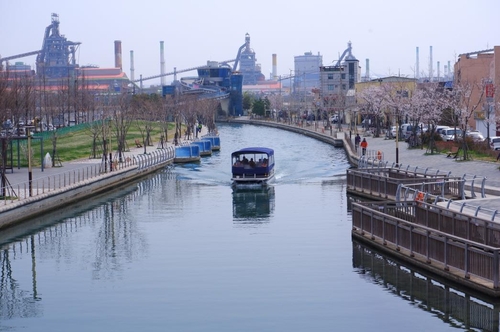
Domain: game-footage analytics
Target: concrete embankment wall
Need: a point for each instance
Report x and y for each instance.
(31, 207)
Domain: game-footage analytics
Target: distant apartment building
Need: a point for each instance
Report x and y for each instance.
(307, 71)
(482, 68)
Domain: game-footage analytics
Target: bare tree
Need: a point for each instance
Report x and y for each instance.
(146, 107)
(464, 100)
(208, 109)
(5, 104)
(122, 117)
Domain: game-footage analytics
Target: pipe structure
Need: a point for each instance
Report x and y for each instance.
(132, 69)
(275, 68)
(430, 64)
(118, 54)
(417, 69)
(367, 78)
(162, 63)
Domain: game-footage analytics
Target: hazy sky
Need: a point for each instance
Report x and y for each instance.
(386, 32)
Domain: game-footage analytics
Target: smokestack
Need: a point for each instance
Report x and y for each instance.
(275, 67)
(162, 63)
(417, 69)
(430, 64)
(132, 69)
(449, 70)
(367, 69)
(438, 71)
(118, 54)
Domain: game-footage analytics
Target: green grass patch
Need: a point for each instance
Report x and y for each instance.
(77, 144)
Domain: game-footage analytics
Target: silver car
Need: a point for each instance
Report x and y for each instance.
(449, 134)
(476, 136)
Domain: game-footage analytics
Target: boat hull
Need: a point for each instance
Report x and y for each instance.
(253, 178)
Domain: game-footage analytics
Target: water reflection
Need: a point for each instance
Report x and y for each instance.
(253, 204)
(54, 237)
(430, 293)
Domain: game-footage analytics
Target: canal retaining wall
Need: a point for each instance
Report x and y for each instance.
(30, 207)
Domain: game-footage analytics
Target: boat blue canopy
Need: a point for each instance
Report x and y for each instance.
(267, 151)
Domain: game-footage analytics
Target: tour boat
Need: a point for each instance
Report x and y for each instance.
(254, 165)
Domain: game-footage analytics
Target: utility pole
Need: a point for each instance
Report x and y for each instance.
(290, 96)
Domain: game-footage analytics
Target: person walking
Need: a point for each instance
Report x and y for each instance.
(364, 145)
(357, 140)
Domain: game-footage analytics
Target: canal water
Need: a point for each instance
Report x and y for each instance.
(183, 251)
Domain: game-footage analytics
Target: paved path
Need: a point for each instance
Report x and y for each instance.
(18, 177)
(419, 158)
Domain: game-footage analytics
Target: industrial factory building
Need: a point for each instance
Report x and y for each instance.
(339, 80)
(56, 65)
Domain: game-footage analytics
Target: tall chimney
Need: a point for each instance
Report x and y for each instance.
(367, 78)
(417, 69)
(162, 63)
(275, 68)
(118, 54)
(449, 71)
(438, 71)
(430, 64)
(132, 69)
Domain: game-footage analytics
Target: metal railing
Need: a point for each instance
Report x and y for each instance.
(154, 158)
(18, 192)
(466, 245)
(383, 182)
(438, 190)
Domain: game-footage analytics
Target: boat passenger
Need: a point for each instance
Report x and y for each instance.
(245, 160)
(251, 163)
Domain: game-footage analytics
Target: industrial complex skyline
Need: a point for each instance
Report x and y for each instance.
(387, 33)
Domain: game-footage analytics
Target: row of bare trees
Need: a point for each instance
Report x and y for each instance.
(428, 104)
(30, 103)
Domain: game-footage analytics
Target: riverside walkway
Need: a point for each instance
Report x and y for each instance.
(408, 158)
(54, 187)
(86, 167)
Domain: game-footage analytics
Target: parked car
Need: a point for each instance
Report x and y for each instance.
(407, 129)
(495, 142)
(391, 133)
(439, 129)
(450, 134)
(476, 136)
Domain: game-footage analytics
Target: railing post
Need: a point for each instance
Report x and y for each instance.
(446, 268)
(495, 268)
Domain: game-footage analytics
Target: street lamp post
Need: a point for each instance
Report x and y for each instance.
(30, 173)
(397, 140)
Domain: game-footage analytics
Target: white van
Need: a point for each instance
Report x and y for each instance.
(407, 129)
(441, 128)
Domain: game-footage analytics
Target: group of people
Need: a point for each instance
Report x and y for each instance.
(362, 143)
(251, 163)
